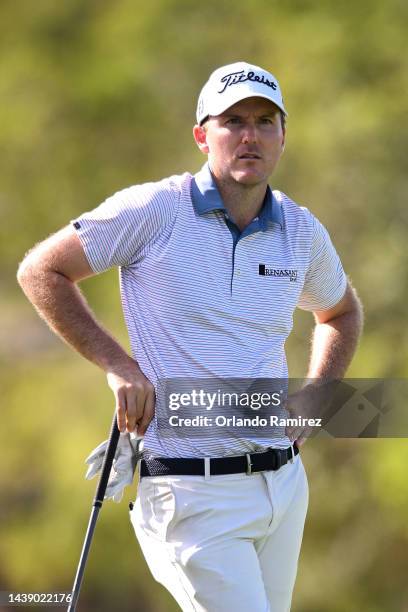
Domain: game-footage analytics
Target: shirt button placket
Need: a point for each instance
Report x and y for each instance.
(237, 269)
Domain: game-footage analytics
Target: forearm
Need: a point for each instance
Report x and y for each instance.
(334, 344)
(61, 304)
(48, 276)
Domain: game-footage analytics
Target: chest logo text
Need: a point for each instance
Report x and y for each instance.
(278, 272)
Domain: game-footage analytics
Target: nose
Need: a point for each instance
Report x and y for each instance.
(249, 133)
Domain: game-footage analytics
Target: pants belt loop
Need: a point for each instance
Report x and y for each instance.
(249, 464)
(207, 468)
(292, 451)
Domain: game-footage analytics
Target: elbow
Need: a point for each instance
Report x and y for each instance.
(358, 309)
(25, 273)
(354, 313)
(29, 271)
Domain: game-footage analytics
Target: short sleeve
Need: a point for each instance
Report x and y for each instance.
(121, 230)
(325, 280)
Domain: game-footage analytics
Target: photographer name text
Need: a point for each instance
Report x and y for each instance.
(234, 421)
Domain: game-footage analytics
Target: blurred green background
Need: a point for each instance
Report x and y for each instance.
(97, 95)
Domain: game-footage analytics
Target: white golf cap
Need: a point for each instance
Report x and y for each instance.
(230, 84)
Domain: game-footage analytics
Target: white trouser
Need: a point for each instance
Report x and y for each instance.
(227, 543)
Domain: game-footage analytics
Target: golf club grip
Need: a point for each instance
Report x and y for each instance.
(107, 462)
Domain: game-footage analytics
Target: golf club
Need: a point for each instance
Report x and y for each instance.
(96, 506)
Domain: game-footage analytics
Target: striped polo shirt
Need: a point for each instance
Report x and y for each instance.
(204, 301)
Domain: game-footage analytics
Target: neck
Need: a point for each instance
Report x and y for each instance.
(243, 202)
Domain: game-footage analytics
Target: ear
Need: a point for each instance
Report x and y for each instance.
(283, 139)
(200, 136)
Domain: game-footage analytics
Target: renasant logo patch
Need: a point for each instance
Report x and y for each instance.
(278, 272)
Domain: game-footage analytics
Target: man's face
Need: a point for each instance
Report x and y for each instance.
(244, 143)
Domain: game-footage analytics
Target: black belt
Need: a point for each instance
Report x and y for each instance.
(272, 459)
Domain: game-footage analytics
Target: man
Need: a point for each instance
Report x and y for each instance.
(212, 268)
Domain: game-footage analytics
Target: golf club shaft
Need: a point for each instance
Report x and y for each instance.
(84, 556)
(97, 504)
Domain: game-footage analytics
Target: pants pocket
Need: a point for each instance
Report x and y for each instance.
(155, 507)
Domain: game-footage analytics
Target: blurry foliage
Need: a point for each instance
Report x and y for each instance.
(97, 95)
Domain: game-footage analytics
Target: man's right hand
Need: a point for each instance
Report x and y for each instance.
(134, 397)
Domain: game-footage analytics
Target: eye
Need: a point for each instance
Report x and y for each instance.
(267, 120)
(235, 120)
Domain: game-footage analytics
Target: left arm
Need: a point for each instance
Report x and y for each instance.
(334, 342)
(335, 337)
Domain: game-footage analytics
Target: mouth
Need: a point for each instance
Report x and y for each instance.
(249, 156)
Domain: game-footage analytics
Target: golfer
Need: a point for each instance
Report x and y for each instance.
(212, 267)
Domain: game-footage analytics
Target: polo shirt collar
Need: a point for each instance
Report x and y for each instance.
(206, 198)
